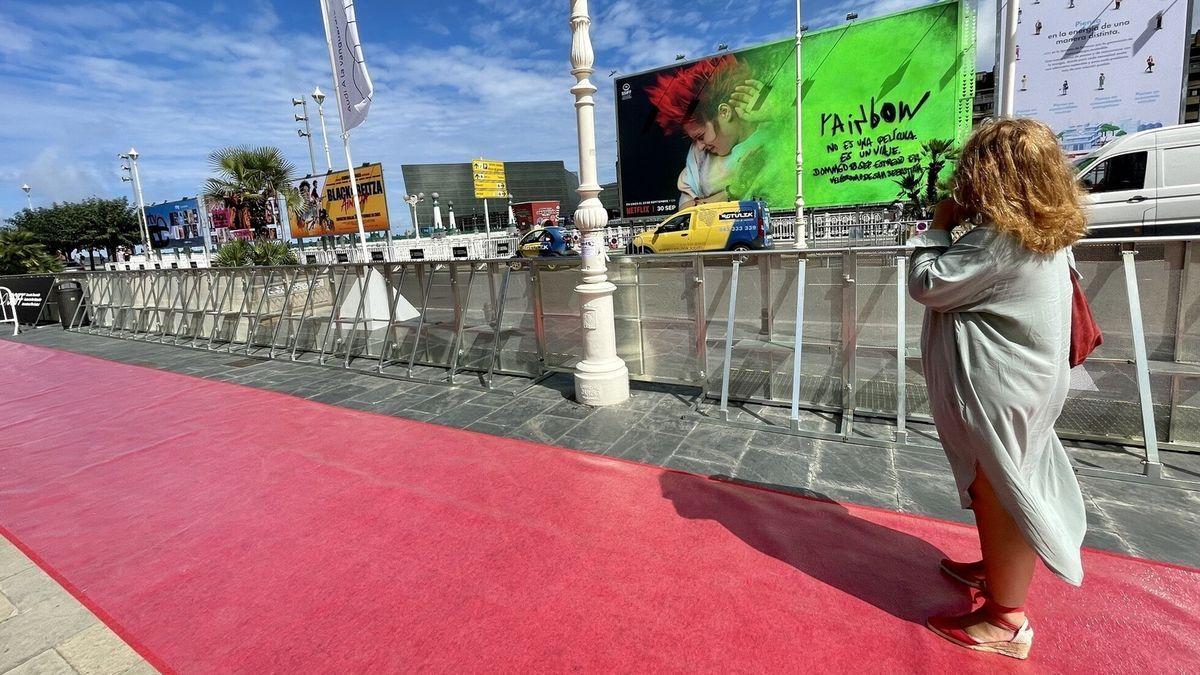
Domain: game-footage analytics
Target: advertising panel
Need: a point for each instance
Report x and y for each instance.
(327, 203)
(30, 292)
(175, 224)
(1095, 70)
(489, 180)
(724, 128)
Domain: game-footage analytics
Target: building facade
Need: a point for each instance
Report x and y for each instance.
(1191, 96)
(985, 97)
(527, 181)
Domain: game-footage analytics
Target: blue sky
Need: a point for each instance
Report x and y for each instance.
(456, 79)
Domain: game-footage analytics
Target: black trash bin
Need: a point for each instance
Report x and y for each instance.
(70, 297)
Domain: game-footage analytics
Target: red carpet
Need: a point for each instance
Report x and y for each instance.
(219, 528)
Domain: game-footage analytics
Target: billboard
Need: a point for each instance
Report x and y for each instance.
(327, 204)
(175, 224)
(1098, 69)
(724, 128)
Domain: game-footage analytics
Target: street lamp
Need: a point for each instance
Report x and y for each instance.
(801, 239)
(319, 97)
(28, 200)
(680, 57)
(136, 179)
(721, 46)
(850, 16)
(601, 377)
(307, 132)
(437, 216)
(412, 201)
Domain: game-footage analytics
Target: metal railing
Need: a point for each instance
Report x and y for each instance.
(723, 323)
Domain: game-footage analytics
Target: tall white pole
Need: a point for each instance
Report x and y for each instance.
(601, 378)
(1008, 93)
(801, 238)
(324, 134)
(137, 191)
(337, 94)
(206, 229)
(312, 158)
(487, 219)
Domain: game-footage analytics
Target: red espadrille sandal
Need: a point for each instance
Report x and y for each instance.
(968, 574)
(953, 628)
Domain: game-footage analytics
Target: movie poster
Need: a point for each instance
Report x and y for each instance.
(175, 224)
(326, 203)
(724, 128)
(1096, 70)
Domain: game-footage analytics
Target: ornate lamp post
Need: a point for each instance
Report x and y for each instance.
(801, 241)
(412, 201)
(601, 378)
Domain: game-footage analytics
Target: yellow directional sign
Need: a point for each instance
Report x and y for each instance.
(488, 177)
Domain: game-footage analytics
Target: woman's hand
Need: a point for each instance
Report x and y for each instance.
(946, 215)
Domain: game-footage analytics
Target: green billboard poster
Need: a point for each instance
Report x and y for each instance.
(724, 128)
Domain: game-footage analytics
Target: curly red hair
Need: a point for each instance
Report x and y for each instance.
(694, 93)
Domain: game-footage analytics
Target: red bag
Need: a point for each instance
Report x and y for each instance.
(1085, 333)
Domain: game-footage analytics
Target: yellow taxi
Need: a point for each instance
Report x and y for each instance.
(719, 226)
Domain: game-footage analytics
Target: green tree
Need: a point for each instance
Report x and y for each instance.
(938, 153)
(21, 253)
(247, 180)
(91, 223)
(264, 252)
(911, 184)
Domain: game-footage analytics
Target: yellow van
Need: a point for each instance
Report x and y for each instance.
(719, 226)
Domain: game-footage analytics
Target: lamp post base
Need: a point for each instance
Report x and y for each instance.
(601, 378)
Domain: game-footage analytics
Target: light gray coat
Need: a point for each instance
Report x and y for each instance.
(995, 351)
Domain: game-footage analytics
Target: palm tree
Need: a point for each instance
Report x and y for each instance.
(20, 253)
(247, 181)
(938, 153)
(910, 184)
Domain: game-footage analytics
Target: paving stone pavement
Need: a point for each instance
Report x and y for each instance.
(656, 426)
(44, 630)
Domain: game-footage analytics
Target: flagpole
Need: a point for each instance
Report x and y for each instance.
(337, 91)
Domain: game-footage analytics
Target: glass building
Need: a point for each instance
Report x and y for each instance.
(527, 181)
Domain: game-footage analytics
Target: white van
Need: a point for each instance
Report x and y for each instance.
(1145, 184)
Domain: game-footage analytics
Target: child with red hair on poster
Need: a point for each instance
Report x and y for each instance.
(715, 103)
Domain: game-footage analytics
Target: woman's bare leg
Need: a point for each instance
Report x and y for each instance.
(1008, 560)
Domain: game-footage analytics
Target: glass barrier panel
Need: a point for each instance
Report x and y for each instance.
(519, 354)
(665, 329)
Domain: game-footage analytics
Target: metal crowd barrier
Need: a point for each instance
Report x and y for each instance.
(724, 324)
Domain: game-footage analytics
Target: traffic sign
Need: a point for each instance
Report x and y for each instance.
(489, 179)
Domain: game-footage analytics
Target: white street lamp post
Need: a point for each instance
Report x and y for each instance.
(601, 378)
(801, 238)
(307, 133)
(136, 179)
(28, 200)
(319, 97)
(437, 216)
(413, 200)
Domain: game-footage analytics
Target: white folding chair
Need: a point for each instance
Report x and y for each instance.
(8, 309)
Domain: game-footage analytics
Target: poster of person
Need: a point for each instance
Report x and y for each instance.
(1098, 70)
(175, 224)
(326, 203)
(724, 127)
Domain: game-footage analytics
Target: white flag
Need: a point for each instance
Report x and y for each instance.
(350, 78)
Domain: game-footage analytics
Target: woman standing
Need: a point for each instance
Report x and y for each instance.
(995, 349)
